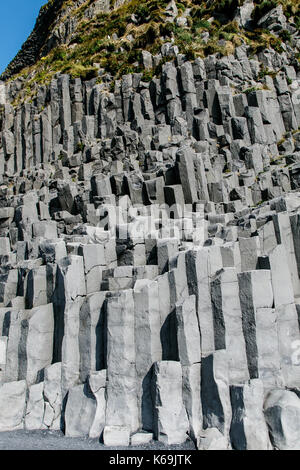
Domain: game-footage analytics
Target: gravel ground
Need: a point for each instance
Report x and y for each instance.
(55, 440)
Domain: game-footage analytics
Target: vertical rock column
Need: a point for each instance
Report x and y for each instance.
(197, 265)
(170, 419)
(255, 291)
(248, 427)
(52, 396)
(189, 351)
(284, 235)
(228, 329)
(38, 347)
(185, 161)
(77, 100)
(122, 402)
(8, 141)
(17, 131)
(215, 395)
(67, 301)
(55, 117)
(64, 102)
(287, 316)
(3, 347)
(29, 343)
(27, 143)
(92, 334)
(171, 91)
(147, 345)
(46, 131)
(189, 92)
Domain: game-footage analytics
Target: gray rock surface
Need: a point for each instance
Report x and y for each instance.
(13, 401)
(282, 415)
(80, 411)
(149, 248)
(170, 418)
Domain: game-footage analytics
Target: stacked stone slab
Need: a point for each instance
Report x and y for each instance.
(150, 256)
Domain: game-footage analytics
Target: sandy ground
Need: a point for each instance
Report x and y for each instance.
(54, 440)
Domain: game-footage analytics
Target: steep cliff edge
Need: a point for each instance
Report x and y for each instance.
(149, 232)
(56, 21)
(84, 38)
(35, 44)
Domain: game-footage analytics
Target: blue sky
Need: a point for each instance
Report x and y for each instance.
(17, 19)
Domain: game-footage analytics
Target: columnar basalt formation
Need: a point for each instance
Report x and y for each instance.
(150, 255)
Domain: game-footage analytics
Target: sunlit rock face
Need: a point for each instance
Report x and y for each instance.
(150, 247)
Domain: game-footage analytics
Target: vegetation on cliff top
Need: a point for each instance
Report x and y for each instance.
(114, 41)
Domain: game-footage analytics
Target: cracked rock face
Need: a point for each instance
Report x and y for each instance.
(150, 254)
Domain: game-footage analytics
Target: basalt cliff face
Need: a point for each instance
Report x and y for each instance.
(150, 225)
